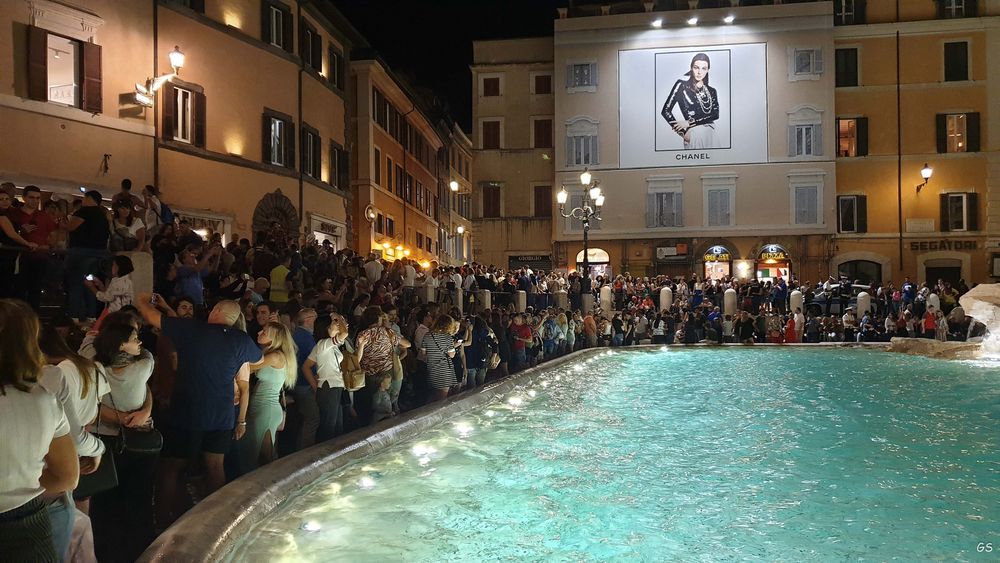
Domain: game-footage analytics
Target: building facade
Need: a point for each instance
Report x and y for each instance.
(513, 107)
(249, 131)
(456, 200)
(827, 113)
(916, 86)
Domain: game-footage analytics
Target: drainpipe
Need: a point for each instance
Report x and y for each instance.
(302, 69)
(156, 122)
(899, 156)
(414, 185)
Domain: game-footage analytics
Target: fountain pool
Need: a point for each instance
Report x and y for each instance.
(780, 453)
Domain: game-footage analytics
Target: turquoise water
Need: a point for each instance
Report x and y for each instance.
(786, 454)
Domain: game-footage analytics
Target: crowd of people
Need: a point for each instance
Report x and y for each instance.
(115, 411)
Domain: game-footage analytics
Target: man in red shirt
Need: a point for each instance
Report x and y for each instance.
(521, 333)
(35, 226)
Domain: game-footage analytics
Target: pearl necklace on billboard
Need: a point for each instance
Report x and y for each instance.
(704, 99)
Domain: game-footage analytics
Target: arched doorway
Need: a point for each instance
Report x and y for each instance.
(598, 260)
(772, 263)
(718, 262)
(276, 216)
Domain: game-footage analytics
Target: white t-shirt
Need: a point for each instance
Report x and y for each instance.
(128, 389)
(373, 271)
(327, 357)
(65, 382)
(409, 276)
(30, 422)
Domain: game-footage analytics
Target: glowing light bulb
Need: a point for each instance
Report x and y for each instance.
(366, 483)
(577, 368)
(491, 413)
(463, 429)
(532, 393)
(311, 526)
(515, 401)
(663, 348)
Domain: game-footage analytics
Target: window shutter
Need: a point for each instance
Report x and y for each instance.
(287, 31)
(198, 6)
(92, 96)
(860, 16)
(971, 8)
(818, 62)
(972, 211)
(595, 157)
(943, 198)
(593, 74)
(861, 130)
(199, 119)
(972, 132)
(38, 63)
(343, 160)
(304, 45)
(169, 112)
(265, 22)
(940, 8)
(289, 140)
(861, 208)
(941, 124)
(791, 140)
(317, 51)
(840, 214)
(570, 157)
(569, 76)
(678, 209)
(817, 135)
(265, 139)
(651, 204)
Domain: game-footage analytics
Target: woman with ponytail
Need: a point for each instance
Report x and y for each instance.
(264, 415)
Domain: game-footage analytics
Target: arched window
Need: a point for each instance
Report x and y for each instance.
(594, 256)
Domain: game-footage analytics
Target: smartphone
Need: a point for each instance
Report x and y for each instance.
(89, 277)
(152, 300)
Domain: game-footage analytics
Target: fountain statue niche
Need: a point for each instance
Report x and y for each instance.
(982, 303)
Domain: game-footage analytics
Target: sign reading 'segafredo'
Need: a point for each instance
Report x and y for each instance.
(943, 244)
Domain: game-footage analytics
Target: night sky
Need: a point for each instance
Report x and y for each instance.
(429, 42)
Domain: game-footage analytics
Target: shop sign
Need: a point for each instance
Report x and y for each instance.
(717, 254)
(324, 227)
(530, 258)
(773, 252)
(943, 244)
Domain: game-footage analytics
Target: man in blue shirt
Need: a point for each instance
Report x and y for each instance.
(201, 419)
(305, 395)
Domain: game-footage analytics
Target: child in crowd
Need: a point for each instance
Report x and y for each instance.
(118, 292)
(381, 403)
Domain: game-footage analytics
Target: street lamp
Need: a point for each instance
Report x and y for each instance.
(460, 229)
(145, 93)
(453, 185)
(176, 59)
(590, 208)
(926, 172)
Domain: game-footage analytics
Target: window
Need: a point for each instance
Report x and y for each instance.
(377, 163)
(663, 209)
(806, 205)
(340, 174)
(805, 132)
(719, 209)
(278, 136)
(311, 151)
(390, 227)
(957, 132)
(337, 69)
(388, 174)
(408, 189)
(956, 8)
(960, 212)
(379, 223)
(310, 46)
(182, 115)
(420, 196)
(852, 214)
(582, 142)
(541, 134)
(847, 67)
(581, 77)
(848, 12)
(807, 61)
(542, 84)
(491, 199)
(956, 61)
(852, 137)
(420, 239)
(276, 24)
(399, 181)
(491, 134)
(64, 71)
(491, 86)
(543, 201)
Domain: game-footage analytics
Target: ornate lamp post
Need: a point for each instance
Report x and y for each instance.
(590, 208)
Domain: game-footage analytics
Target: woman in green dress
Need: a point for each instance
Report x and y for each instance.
(264, 415)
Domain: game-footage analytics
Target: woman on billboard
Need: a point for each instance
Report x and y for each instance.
(698, 103)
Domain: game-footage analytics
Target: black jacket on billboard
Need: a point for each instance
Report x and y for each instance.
(698, 108)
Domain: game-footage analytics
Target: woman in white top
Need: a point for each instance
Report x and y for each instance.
(322, 371)
(38, 462)
(127, 367)
(128, 232)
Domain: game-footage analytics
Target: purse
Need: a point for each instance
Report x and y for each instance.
(106, 476)
(354, 376)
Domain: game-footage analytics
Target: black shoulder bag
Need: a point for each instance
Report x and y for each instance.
(106, 476)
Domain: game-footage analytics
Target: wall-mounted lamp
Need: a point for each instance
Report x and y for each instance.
(460, 229)
(370, 213)
(453, 185)
(926, 172)
(176, 59)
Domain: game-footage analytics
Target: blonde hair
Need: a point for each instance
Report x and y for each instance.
(445, 325)
(21, 359)
(282, 343)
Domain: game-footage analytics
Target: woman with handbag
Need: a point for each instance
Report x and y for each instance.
(74, 381)
(439, 349)
(375, 344)
(322, 371)
(479, 355)
(38, 462)
(265, 413)
(126, 427)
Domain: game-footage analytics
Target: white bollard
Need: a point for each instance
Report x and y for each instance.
(520, 301)
(729, 302)
(460, 299)
(934, 301)
(864, 304)
(586, 303)
(666, 298)
(562, 299)
(427, 294)
(485, 297)
(142, 274)
(795, 301)
(607, 303)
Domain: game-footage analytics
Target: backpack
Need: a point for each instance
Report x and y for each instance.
(166, 214)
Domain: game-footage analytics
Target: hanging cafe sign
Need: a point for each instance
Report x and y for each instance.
(773, 252)
(717, 254)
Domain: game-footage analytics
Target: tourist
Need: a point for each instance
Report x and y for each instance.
(36, 225)
(128, 405)
(201, 419)
(89, 231)
(744, 328)
(192, 272)
(279, 281)
(118, 292)
(304, 391)
(125, 196)
(128, 233)
(438, 347)
(521, 339)
(375, 343)
(322, 371)
(265, 413)
(38, 461)
(9, 240)
(157, 213)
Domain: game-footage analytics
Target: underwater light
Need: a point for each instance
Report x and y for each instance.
(311, 526)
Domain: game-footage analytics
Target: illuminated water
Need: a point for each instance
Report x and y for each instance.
(784, 454)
